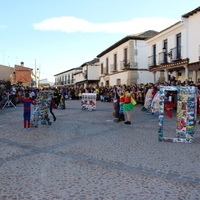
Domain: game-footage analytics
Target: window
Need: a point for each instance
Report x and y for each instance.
(107, 65)
(118, 82)
(178, 45)
(101, 68)
(165, 42)
(154, 54)
(125, 56)
(115, 62)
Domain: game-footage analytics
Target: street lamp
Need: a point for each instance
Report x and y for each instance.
(167, 53)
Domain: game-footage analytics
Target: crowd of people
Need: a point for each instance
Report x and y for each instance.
(105, 94)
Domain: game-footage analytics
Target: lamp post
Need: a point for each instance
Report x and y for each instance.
(167, 53)
(38, 72)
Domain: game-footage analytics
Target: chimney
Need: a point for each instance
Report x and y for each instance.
(22, 63)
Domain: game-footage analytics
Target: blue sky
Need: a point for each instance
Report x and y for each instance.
(57, 35)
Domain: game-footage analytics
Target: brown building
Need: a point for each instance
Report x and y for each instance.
(22, 75)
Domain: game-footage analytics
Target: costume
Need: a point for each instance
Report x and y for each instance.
(121, 112)
(127, 106)
(27, 110)
(56, 98)
(168, 106)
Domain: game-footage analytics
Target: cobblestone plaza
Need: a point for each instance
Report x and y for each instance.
(85, 155)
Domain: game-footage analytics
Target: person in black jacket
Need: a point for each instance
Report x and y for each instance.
(56, 98)
(51, 107)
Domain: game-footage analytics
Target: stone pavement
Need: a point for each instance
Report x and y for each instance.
(85, 155)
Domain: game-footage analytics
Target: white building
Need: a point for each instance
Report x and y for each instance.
(125, 62)
(89, 74)
(192, 23)
(66, 78)
(175, 51)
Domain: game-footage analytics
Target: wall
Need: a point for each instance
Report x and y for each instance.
(5, 72)
(79, 77)
(193, 37)
(93, 72)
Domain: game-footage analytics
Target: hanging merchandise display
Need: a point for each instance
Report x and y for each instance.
(41, 109)
(88, 101)
(186, 113)
(155, 105)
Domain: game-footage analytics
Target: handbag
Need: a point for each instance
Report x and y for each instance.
(133, 101)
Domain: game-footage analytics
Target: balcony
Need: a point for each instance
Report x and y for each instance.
(125, 65)
(175, 54)
(113, 67)
(162, 58)
(152, 61)
(105, 70)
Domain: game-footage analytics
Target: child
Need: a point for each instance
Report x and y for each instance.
(128, 106)
(27, 110)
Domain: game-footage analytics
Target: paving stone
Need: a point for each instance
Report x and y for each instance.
(82, 155)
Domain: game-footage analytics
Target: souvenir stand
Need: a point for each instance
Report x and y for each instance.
(88, 101)
(186, 113)
(41, 109)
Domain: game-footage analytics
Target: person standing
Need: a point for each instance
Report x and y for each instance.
(116, 103)
(128, 106)
(51, 107)
(62, 100)
(121, 103)
(27, 109)
(56, 98)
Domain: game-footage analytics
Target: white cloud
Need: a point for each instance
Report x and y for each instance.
(73, 24)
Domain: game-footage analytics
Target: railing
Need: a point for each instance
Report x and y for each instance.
(175, 54)
(162, 58)
(152, 61)
(125, 64)
(105, 70)
(113, 67)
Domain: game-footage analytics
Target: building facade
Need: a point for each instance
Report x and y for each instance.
(66, 78)
(89, 75)
(126, 62)
(175, 51)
